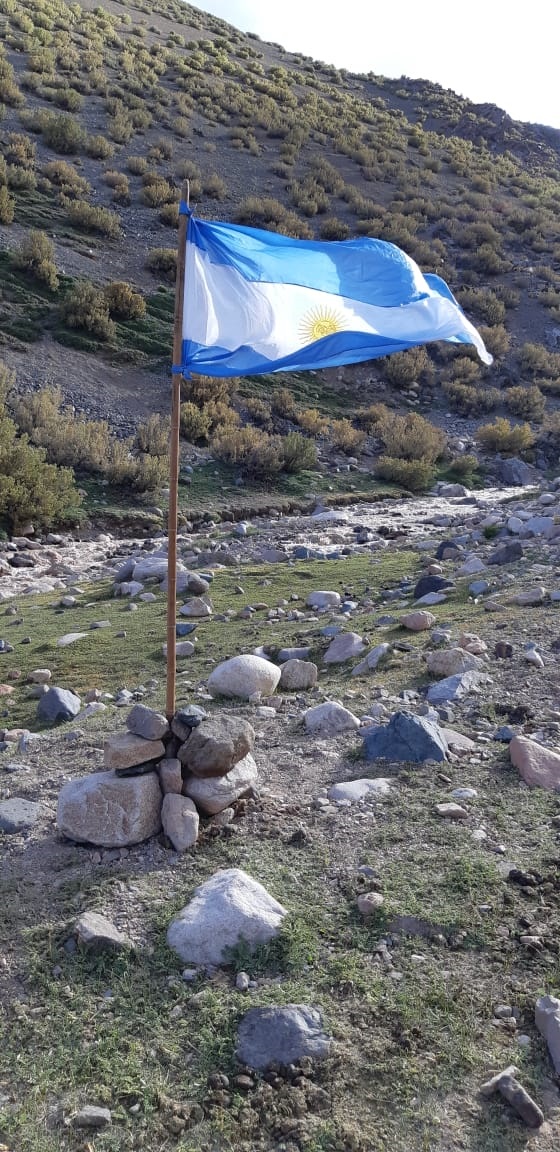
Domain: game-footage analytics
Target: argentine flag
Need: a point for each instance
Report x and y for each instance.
(258, 301)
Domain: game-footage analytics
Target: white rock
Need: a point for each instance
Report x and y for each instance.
(345, 646)
(298, 675)
(215, 793)
(70, 638)
(228, 908)
(243, 676)
(40, 676)
(180, 821)
(330, 718)
(451, 661)
(109, 810)
(323, 600)
(196, 607)
(182, 648)
(357, 790)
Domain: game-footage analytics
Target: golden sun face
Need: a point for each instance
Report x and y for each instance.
(320, 322)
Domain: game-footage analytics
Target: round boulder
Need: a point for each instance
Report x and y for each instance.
(243, 677)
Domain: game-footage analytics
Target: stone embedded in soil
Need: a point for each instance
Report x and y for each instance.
(98, 934)
(428, 584)
(126, 750)
(451, 811)
(70, 638)
(417, 621)
(110, 811)
(329, 719)
(40, 676)
(454, 687)
(345, 646)
(229, 908)
(286, 654)
(369, 903)
(281, 1036)
(530, 597)
(547, 1020)
(507, 553)
(180, 821)
(451, 662)
(196, 607)
(216, 746)
(146, 722)
(92, 1117)
(17, 815)
(298, 675)
(323, 600)
(538, 766)
(413, 739)
(371, 661)
(357, 790)
(243, 677)
(216, 793)
(58, 704)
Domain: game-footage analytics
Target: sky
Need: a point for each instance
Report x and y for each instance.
(490, 51)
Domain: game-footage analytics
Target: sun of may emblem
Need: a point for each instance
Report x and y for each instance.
(320, 322)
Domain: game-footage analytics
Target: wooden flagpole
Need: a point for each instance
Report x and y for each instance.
(174, 462)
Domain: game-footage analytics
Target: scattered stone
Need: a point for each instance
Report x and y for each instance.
(226, 909)
(345, 646)
(330, 718)
(507, 553)
(354, 791)
(70, 638)
(369, 903)
(244, 676)
(196, 607)
(125, 750)
(372, 660)
(323, 600)
(452, 811)
(479, 587)
(92, 1117)
(298, 675)
(180, 821)
(170, 776)
(454, 687)
(17, 815)
(40, 676)
(214, 794)
(538, 766)
(428, 584)
(413, 739)
(146, 722)
(531, 597)
(533, 657)
(58, 704)
(242, 982)
(503, 650)
(451, 662)
(547, 1020)
(216, 745)
(109, 810)
(286, 654)
(281, 1036)
(506, 1084)
(417, 621)
(98, 934)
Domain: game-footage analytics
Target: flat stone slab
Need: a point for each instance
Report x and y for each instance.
(281, 1036)
(126, 750)
(357, 790)
(70, 638)
(94, 932)
(17, 815)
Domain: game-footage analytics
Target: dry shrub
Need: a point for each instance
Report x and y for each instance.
(527, 403)
(503, 436)
(63, 133)
(64, 176)
(536, 361)
(86, 309)
(298, 453)
(214, 187)
(163, 262)
(415, 475)
(312, 422)
(158, 192)
(137, 165)
(152, 436)
(19, 149)
(36, 256)
(283, 403)
(411, 437)
(405, 368)
(259, 411)
(99, 148)
(471, 401)
(195, 423)
(169, 215)
(203, 389)
(124, 302)
(92, 218)
(345, 437)
(250, 449)
(7, 206)
(371, 418)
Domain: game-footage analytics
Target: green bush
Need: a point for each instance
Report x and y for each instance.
(86, 308)
(299, 453)
(527, 403)
(152, 435)
(7, 206)
(283, 403)
(63, 134)
(333, 229)
(92, 218)
(31, 489)
(124, 303)
(99, 148)
(412, 437)
(195, 423)
(415, 475)
(253, 451)
(405, 368)
(345, 437)
(35, 255)
(471, 401)
(502, 436)
(163, 262)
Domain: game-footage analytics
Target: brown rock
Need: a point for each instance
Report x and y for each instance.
(171, 777)
(217, 745)
(503, 650)
(109, 810)
(125, 750)
(539, 767)
(417, 621)
(297, 675)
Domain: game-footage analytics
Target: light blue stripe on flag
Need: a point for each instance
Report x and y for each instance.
(258, 301)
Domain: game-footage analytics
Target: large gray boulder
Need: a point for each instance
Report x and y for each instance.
(281, 1035)
(243, 677)
(517, 473)
(454, 687)
(229, 908)
(215, 793)
(110, 811)
(345, 646)
(58, 704)
(413, 739)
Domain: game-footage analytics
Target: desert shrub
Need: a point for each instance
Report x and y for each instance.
(298, 453)
(333, 229)
(9, 91)
(36, 256)
(20, 179)
(7, 206)
(125, 303)
(312, 422)
(462, 466)
(527, 403)
(98, 147)
(370, 419)
(345, 437)
(169, 215)
(282, 403)
(161, 150)
(463, 370)
(415, 475)
(548, 438)
(148, 472)
(137, 165)
(65, 176)
(181, 126)
(221, 415)
(188, 170)
(503, 436)
(195, 423)
(259, 411)
(412, 437)
(85, 308)
(496, 339)
(163, 262)
(63, 134)
(19, 149)
(92, 218)
(152, 436)
(30, 488)
(483, 304)
(203, 390)
(158, 192)
(214, 187)
(552, 387)
(250, 449)
(536, 361)
(469, 400)
(266, 212)
(404, 368)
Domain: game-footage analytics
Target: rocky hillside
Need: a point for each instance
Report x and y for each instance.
(107, 109)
